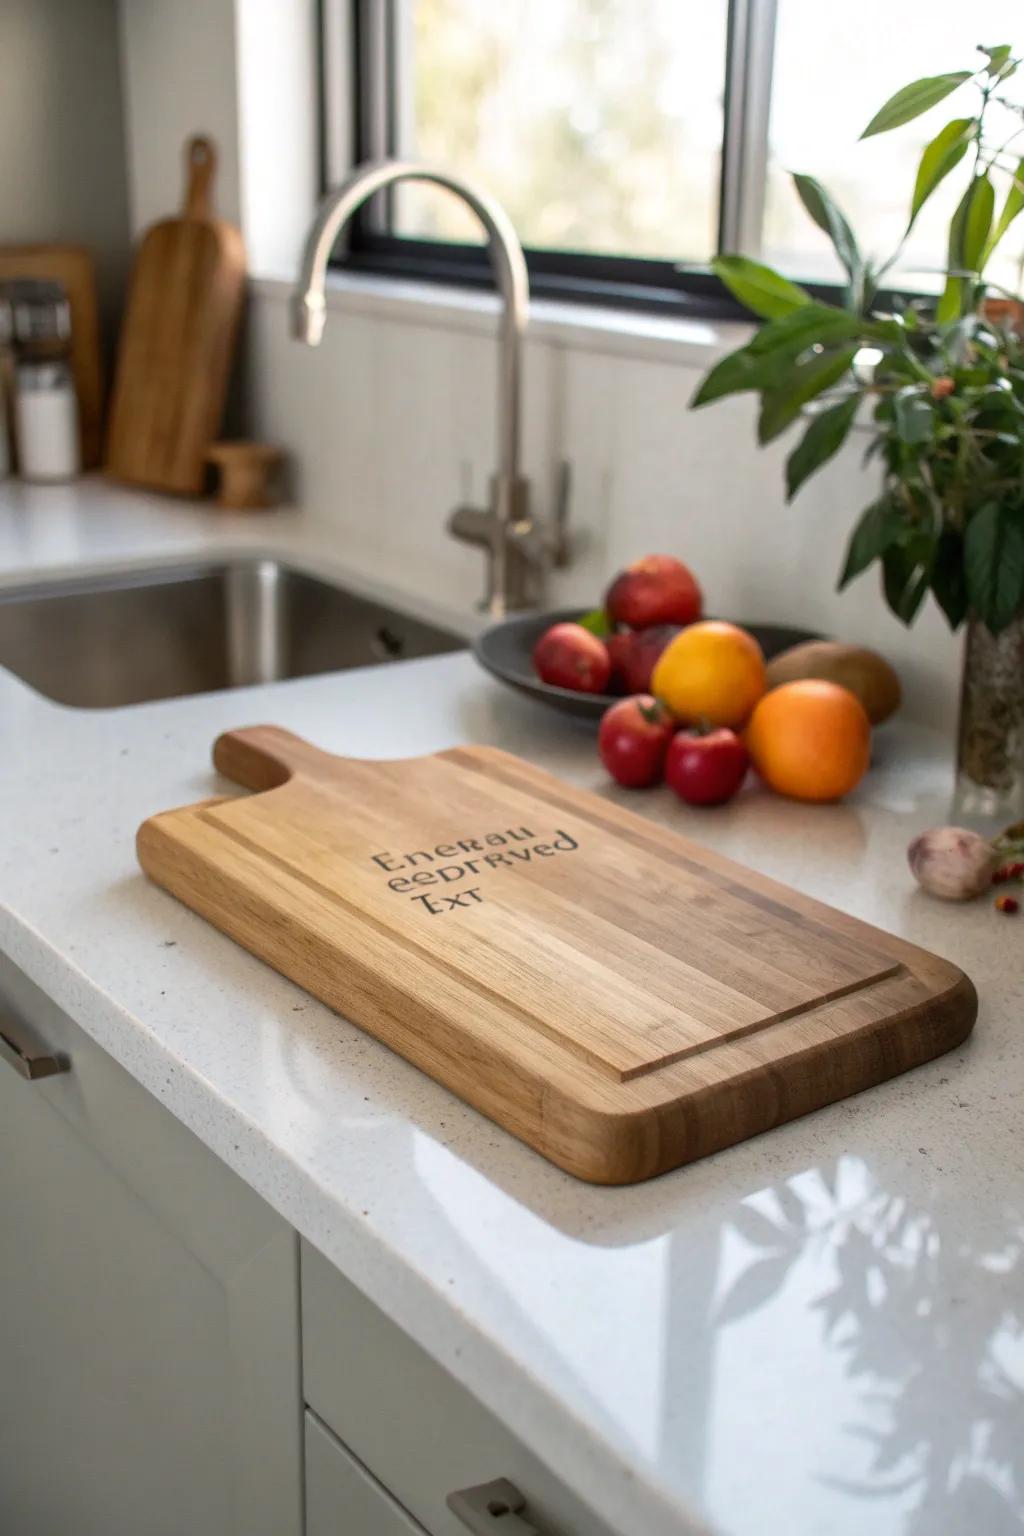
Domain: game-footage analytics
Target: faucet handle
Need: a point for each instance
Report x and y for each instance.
(472, 525)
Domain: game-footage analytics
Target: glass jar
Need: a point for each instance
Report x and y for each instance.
(990, 745)
(46, 420)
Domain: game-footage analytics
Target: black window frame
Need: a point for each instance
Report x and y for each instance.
(661, 287)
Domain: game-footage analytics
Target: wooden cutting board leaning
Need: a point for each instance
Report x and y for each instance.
(177, 340)
(619, 997)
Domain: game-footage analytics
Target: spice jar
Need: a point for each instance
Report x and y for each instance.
(46, 421)
(45, 402)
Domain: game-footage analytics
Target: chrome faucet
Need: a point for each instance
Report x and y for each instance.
(518, 549)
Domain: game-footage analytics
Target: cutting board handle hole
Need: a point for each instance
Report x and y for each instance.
(200, 164)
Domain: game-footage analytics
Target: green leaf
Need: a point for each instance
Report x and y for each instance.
(879, 527)
(914, 99)
(955, 242)
(949, 584)
(998, 58)
(940, 157)
(1013, 205)
(956, 294)
(597, 622)
(905, 579)
(741, 370)
(804, 382)
(977, 222)
(828, 216)
(968, 247)
(762, 363)
(766, 292)
(950, 301)
(802, 327)
(994, 563)
(915, 418)
(824, 437)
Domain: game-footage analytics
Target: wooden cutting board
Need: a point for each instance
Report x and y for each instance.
(73, 267)
(619, 997)
(177, 340)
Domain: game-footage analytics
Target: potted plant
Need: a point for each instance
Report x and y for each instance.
(939, 384)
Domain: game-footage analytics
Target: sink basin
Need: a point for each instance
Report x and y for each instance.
(125, 639)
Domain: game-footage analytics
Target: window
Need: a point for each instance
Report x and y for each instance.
(598, 126)
(629, 140)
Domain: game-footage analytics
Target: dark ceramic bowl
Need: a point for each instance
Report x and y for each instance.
(505, 650)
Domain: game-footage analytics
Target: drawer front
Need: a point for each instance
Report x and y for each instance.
(416, 1429)
(149, 1325)
(342, 1499)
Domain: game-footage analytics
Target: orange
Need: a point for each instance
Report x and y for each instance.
(710, 671)
(810, 739)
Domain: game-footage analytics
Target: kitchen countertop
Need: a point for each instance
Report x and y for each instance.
(819, 1331)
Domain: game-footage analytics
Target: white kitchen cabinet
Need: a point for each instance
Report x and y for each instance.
(151, 1374)
(409, 1423)
(342, 1498)
(149, 1341)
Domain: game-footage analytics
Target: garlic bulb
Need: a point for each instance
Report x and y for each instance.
(952, 862)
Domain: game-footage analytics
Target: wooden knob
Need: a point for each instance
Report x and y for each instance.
(245, 471)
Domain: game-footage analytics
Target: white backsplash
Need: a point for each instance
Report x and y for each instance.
(390, 424)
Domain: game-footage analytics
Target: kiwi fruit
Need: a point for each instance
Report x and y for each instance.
(865, 673)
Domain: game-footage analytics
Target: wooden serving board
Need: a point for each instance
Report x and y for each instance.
(619, 997)
(177, 340)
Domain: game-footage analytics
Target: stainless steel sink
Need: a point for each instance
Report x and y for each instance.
(125, 639)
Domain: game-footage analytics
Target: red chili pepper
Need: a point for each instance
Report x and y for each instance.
(1007, 904)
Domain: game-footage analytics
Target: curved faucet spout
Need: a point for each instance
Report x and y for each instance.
(309, 311)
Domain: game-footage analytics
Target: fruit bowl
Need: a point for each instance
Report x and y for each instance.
(506, 649)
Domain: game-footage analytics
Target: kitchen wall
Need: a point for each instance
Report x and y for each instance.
(180, 79)
(62, 145)
(391, 422)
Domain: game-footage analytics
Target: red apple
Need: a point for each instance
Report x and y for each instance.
(706, 770)
(633, 738)
(633, 653)
(655, 590)
(569, 656)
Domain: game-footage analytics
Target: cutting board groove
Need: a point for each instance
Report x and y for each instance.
(617, 996)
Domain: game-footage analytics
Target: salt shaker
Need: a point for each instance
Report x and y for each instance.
(46, 421)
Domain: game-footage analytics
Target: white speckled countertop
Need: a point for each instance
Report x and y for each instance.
(820, 1331)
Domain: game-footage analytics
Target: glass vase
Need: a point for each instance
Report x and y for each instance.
(990, 745)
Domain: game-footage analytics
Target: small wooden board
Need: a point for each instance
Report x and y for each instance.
(73, 267)
(619, 997)
(177, 341)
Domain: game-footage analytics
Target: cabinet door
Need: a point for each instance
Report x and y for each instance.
(342, 1499)
(409, 1422)
(149, 1354)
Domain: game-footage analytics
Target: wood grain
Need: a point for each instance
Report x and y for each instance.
(246, 470)
(177, 341)
(614, 994)
(74, 268)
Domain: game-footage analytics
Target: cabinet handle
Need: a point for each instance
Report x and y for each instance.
(492, 1509)
(27, 1060)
